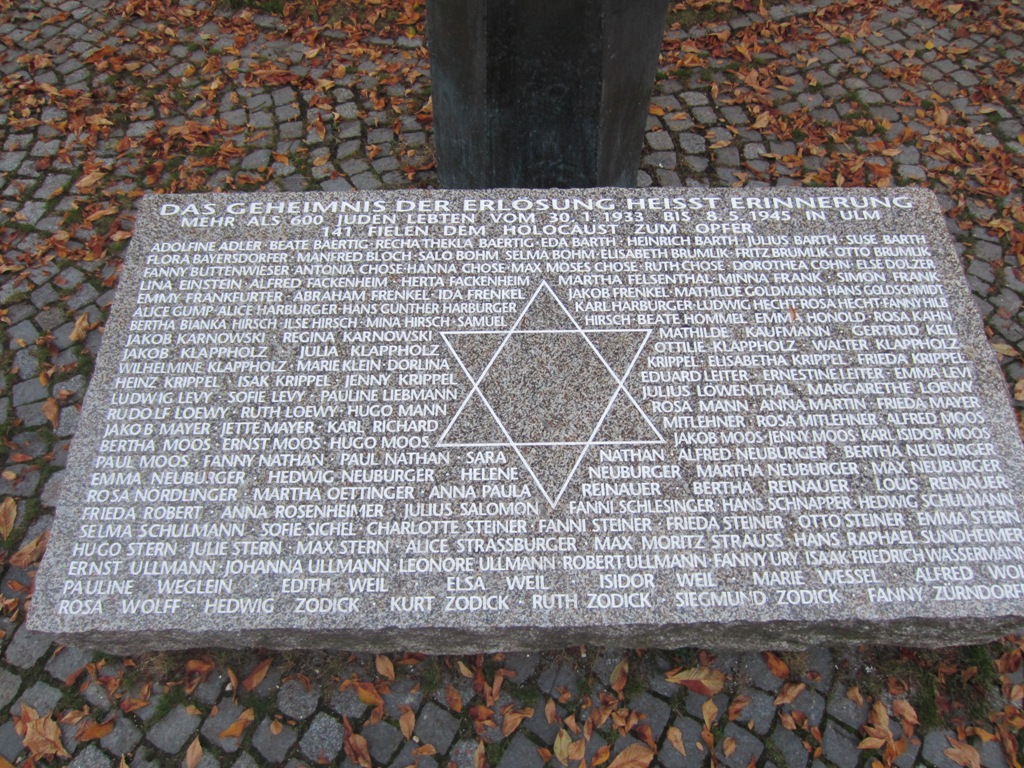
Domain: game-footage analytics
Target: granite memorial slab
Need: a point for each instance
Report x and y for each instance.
(458, 421)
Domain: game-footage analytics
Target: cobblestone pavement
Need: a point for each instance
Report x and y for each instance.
(105, 100)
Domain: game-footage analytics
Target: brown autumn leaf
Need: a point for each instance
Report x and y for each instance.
(51, 410)
(789, 692)
(675, 738)
(776, 666)
(854, 695)
(962, 753)
(194, 753)
(904, 710)
(385, 668)
(728, 746)
(368, 694)
(633, 756)
(480, 756)
(871, 742)
(81, 329)
(407, 721)
(197, 671)
(8, 514)
(454, 699)
(709, 711)
(237, 728)
(702, 680)
(602, 755)
(550, 713)
(562, 743)
(619, 676)
(40, 735)
(464, 670)
(90, 730)
(31, 552)
(426, 750)
(358, 750)
(513, 718)
(276, 727)
(254, 678)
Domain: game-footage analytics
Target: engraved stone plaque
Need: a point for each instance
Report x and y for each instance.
(461, 421)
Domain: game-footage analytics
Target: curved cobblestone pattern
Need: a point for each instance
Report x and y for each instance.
(106, 100)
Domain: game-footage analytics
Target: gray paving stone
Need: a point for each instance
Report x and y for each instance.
(557, 677)
(383, 739)
(172, 732)
(296, 700)
(9, 686)
(521, 753)
(123, 739)
(227, 713)
(91, 757)
(347, 703)
(841, 707)
(754, 669)
(656, 710)
(10, 742)
(27, 647)
(40, 696)
(660, 141)
(748, 747)
(840, 746)
(406, 758)
(934, 746)
(436, 726)
(790, 748)
(323, 740)
(759, 712)
(270, 746)
(405, 692)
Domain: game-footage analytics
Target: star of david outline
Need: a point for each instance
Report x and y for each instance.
(620, 391)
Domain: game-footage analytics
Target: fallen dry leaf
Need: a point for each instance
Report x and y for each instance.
(776, 666)
(709, 711)
(81, 329)
(385, 668)
(237, 728)
(962, 753)
(31, 552)
(454, 699)
(51, 410)
(90, 730)
(512, 718)
(702, 680)
(407, 721)
(40, 735)
(633, 756)
(619, 676)
(254, 678)
(8, 514)
(789, 692)
(675, 738)
(194, 753)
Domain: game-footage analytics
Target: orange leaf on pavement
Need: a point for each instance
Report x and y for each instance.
(407, 722)
(776, 666)
(702, 680)
(633, 756)
(384, 667)
(194, 753)
(237, 728)
(8, 514)
(254, 678)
